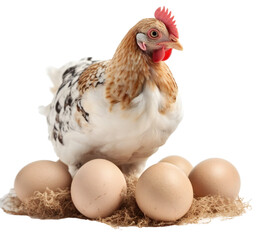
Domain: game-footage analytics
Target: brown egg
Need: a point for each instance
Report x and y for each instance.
(215, 176)
(97, 188)
(180, 162)
(39, 175)
(164, 192)
(63, 165)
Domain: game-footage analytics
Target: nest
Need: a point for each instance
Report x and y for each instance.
(58, 204)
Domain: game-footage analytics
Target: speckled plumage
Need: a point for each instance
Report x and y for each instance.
(122, 109)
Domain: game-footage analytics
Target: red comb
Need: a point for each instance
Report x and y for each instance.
(164, 16)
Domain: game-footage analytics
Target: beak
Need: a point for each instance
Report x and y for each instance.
(174, 43)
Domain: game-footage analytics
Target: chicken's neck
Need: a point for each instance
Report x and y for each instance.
(130, 69)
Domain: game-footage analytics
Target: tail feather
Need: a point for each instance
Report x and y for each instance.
(44, 110)
(56, 77)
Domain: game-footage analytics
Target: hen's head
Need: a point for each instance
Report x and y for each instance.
(157, 36)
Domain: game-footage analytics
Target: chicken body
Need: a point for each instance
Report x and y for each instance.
(121, 110)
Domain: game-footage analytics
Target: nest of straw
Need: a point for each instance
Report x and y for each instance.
(58, 204)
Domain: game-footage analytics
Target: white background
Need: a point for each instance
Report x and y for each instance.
(217, 74)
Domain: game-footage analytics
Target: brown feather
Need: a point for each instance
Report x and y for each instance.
(89, 78)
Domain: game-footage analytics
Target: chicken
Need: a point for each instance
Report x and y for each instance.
(121, 109)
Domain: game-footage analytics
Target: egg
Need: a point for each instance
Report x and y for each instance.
(39, 175)
(97, 189)
(164, 192)
(180, 162)
(215, 176)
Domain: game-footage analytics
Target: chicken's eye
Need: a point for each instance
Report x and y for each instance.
(154, 34)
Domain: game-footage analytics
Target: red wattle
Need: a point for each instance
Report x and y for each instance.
(158, 55)
(167, 54)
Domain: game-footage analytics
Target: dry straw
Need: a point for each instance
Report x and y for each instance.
(58, 204)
